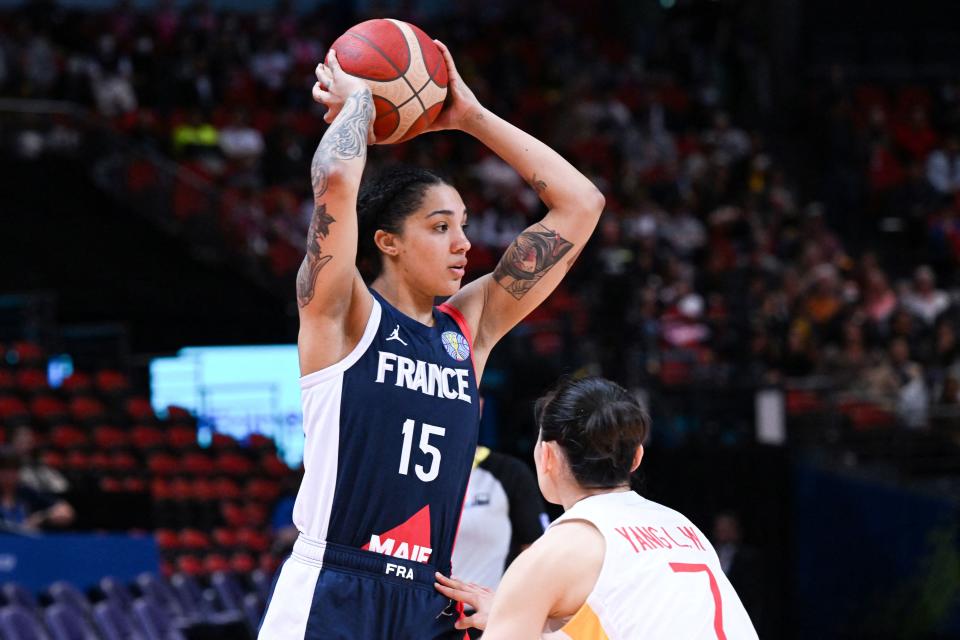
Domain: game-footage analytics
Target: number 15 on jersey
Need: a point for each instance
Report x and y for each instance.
(428, 430)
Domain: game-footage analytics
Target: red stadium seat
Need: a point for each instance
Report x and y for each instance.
(181, 489)
(262, 489)
(123, 461)
(194, 539)
(54, 459)
(242, 563)
(254, 515)
(179, 415)
(197, 463)
(66, 437)
(99, 462)
(161, 489)
(31, 380)
(12, 409)
(259, 442)
(111, 382)
(204, 490)
(233, 514)
(167, 568)
(110, 437)
(802, 401)
(162, 464)
(77, 383)
(268, 563)
(181, 437)
(111, 485)
(87, 409)
(215, 562)
(234, 464)
(190, 565)
(133, 484)
(48, 408)
(273, 466)
(253, 540)
(27, 353)
(7, 381)
(228, 489)
(224, 538)
(167, 539)
(144, 437)
(221, 441)
(77, 461)
(140, 410)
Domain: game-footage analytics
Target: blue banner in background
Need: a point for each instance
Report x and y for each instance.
(81, 559)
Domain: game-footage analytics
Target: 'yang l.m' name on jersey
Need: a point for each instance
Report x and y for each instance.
(390, 435)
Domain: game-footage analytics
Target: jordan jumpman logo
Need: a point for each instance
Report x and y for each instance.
(396, 336)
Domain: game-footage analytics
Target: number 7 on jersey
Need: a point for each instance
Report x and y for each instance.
(683, 567)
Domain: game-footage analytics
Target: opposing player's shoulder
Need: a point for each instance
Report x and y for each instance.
(566, 551)
(568, 559)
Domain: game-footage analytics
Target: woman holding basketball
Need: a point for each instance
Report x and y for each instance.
(389, 381)
(614, 565)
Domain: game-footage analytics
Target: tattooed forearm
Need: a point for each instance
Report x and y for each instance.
(347, 136)
(313, 262)
(529, 258)
(344, 140)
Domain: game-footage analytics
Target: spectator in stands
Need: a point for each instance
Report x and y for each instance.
(943, 167)
(34, 474)
(924, 300)
(912, 397)
(741, 563)
(239, 141)
(22, 509)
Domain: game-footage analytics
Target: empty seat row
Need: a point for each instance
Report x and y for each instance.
(155, 609)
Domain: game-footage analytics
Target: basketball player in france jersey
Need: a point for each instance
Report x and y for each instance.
(389, 381)
(614, 566)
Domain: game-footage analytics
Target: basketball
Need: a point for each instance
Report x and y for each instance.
(405, 70)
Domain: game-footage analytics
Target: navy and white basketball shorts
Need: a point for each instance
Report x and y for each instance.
(326, 591)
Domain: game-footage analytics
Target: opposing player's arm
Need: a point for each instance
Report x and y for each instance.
(545, 581)
(328, 282)
(537, 260)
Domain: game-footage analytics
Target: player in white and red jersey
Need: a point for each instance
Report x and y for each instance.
(615, 566)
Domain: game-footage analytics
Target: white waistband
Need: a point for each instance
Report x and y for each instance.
(309, 549)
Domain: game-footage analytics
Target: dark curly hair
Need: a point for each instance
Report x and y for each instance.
(384, 202)
(599, 424)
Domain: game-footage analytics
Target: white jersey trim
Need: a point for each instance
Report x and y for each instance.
(327, 373)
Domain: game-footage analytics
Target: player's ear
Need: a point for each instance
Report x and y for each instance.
(386, 242)
(637, 457)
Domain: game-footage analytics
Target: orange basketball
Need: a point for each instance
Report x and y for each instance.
(405, 70)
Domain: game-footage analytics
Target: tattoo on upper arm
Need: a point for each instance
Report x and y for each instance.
(529, 258)
(344, 140)
(538, 185)
(313, 262)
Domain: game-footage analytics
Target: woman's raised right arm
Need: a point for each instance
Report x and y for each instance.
(330, 291)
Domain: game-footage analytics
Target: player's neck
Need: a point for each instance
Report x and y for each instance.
(413, 304)
(576, 495)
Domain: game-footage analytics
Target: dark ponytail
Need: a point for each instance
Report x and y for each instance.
(384, 202)
(598, 424)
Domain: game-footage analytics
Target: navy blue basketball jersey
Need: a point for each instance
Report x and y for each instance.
(390, 437)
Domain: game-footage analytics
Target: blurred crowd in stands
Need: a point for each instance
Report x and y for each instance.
(733, 251)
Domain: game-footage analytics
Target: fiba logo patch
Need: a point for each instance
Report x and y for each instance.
(456, 345)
